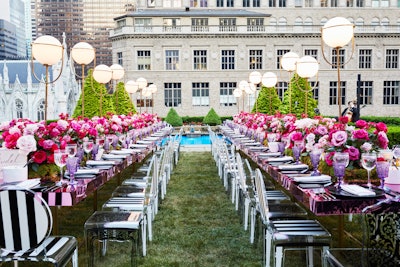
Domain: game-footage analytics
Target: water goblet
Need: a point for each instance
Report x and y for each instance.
(88, 147)
(71, 149)
(60, 159)
(281, 148)
(368, 162)
(72, 167)
(100, 142)
(95, 150)
(340, 162)
(382, 171)
(297, 150)
(315, 156)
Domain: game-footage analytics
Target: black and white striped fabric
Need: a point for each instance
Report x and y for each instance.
(25, 226)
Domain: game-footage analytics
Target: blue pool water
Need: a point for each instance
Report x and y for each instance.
(195, 140)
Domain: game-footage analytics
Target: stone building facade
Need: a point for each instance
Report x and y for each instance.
(197, 52)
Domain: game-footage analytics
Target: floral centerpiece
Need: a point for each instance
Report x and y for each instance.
(39, 140)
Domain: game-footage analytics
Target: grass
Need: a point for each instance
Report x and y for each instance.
(196, 224)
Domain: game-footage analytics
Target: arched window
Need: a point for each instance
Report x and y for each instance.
(19, 108)
(298, 21)
(40, 110)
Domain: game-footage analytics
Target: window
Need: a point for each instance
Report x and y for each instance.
(220, 3)
(391, 92)
(200, 25)
(360, 3)
(40, 110)
(228, 59)
(380, 3)
(226, 97)
(271, 3)
(312, 53)
(392, 58)
(172, 60)
(255, 59)
(281, 88)
(315, 91)
(200, 94)
(334, 3)
(230, 3)
(364, 58)
(172, 25)
(333, 92)
(119, 58)
(143, 25)
(335, 62)
(172, 94)
(255, 24)
(200, 59)
(121, 23)
(366, 92)
(282, 3)
(279, 54)
(248, 3)
(198, 3)
(19, 108)
(227, 25)
(143, 60)
(308, 3)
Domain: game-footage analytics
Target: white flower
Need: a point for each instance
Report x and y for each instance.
(305, 123)
(366, 146)
(31, 128)
(27, 143)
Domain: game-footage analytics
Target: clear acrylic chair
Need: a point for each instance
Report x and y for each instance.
(381, 239)
(282, 233)
(25, 226)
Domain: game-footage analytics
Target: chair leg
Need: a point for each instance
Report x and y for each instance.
(144, 237)
(246, 213)
(149, 222)
(103, 247)
(278, 256)
(310, 256)
(252, 224)
(75, 258)
(268, 248)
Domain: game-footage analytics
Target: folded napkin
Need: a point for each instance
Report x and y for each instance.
(85, 171)
(358, 190)
(100, 162)
(113, 156)
(321, 179)
(292, 166)
(120, 152)
(252, 144)
(30, 183)
(137, 145)
(271, 154)
(281, 159)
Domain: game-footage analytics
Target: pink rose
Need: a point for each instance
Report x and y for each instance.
(339, 138)
(354, 153)
(297, 136)
(360, 134)
(361, 124)
(27, 143)
(381, 127)
(47, 144)
(11, 140)
(383, 141)
(329, 158)
(39, 156)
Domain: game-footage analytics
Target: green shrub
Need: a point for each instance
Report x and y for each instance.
(212, 118)
(173, 118)
(268, 101)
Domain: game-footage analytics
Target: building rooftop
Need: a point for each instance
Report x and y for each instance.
(187, 12)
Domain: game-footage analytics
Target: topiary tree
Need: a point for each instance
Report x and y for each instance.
(173, 118)
(122, 101)
(93, 92)
(212, 118)
(268, 101)
(299, 90)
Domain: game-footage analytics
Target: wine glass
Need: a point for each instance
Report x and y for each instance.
(382, 171)
(315, 156)
(297, 149)
(88, 147)
(72, 167)
(60, 159)
(368, 161)
(71, 149)
(340, 162)
(100, 142)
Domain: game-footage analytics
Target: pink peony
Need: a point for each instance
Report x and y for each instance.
(329, 158)
(383, 141)
(381, 127)
(297, 136)
(361, 124)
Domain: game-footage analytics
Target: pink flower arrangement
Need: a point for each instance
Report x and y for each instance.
(39, 140)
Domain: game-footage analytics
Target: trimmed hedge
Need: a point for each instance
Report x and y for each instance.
(212, 118)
